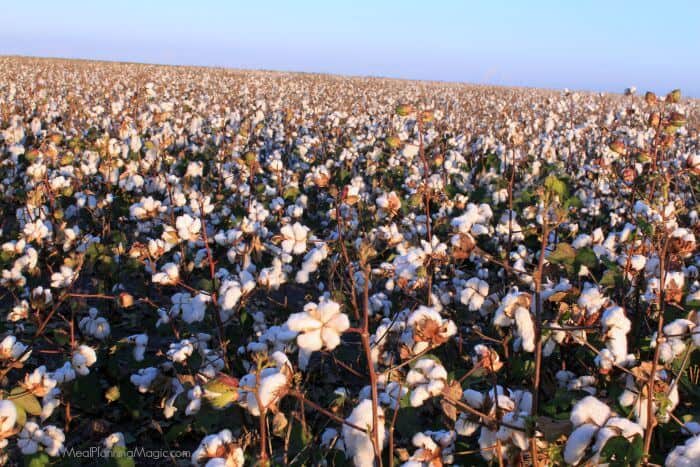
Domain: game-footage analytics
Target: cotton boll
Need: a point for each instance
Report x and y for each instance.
(616, 426)
(578, 443)
(8, 416)
(686, 455)
(319, 326)
(426, 379)
(526, 328)
(589, 410)
(474, 293)
(358, 444)
(591, 299)
(144, 378)
(83, 358)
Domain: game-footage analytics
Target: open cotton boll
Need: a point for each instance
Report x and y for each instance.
(358, 444)
(144, 378)
(474, 293)
(114, 440)
(616, 426)
(589, 410)
(83, 358)
(294, 238)
(578, 443)
(169, 275)
(526, 328)
(268, 387)
(319, 326)
(11, 348)
(8, 416)
(426, 379)
(591, 299)
(219, 450)
(429, 327)
(685, 455)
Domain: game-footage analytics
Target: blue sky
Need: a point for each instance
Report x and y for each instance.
(579, 44)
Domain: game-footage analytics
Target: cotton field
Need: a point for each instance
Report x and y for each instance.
(257, 268)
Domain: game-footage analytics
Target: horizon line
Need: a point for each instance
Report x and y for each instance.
(319, 73)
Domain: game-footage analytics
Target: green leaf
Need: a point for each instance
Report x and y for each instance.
(26, 400)
(586, 257)
(556, 186)
(611, 278)
(619, 451)
(119, 458)
(21, 415)
(563, 254)
(40, 459)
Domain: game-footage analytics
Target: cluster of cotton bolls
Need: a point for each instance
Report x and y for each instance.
(594, 424)
(514, 407)
(264, 243)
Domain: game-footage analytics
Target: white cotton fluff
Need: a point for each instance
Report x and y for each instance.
(94, 325)
(578, 443)
(294, 238)
(358, 444)
(675, 334)
(474, 293)
(312, 261)
(686, 455)
(472, 218)
(616, 426)
(11, 348)
(273, 383)
(426, 379)
(591, 299)
(64, 374)
(140, 341)
(180, 351)
(144, 378)
(616, 325)
(319, 326)
(526, 328)
(83, 358)
(169, 275)
(589, 410)
(8, 416)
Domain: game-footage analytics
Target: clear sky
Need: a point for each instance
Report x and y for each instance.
(579, 44)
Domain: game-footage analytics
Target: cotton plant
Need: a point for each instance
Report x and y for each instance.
(636, 396)
(262, 388)
(513, 406)
(154, 205)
